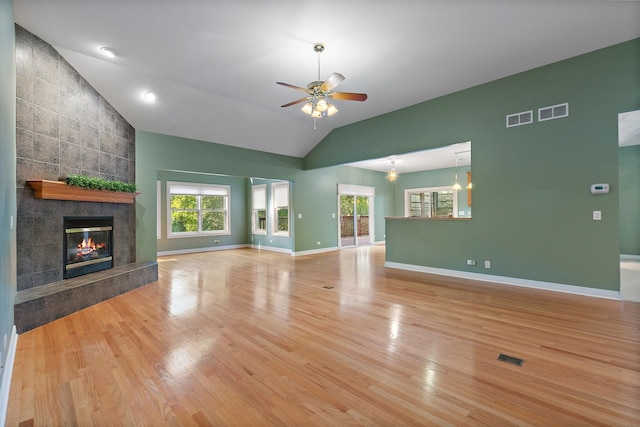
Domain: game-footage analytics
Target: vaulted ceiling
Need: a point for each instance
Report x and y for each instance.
(213, 64)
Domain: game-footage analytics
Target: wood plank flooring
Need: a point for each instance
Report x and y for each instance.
(250, 338)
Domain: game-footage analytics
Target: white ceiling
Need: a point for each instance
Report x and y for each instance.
(437, 158)
(214, 64)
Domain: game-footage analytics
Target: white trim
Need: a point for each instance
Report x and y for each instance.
(275, 186)
(256, 191)
(198, 189)
(6, 376)
(513, 281)
(159, 209)
(380, 242)
(356, 190)
(271, 248)
(315, 251)
(196, 250)
(630, 257)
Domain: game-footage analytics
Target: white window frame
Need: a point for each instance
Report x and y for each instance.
(407, 199)
(258, 203)
(282, 188)
(198, 189)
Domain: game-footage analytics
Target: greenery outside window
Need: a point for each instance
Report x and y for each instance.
(431, 202)
(280, 198)
(197, 209)
(259, 209)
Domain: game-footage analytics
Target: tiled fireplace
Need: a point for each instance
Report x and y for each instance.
(64, 126)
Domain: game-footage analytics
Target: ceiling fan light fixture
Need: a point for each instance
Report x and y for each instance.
(322, 105)
(307, 108)
(319, 93)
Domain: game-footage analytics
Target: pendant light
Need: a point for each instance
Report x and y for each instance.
(456, 185)
(392, 175)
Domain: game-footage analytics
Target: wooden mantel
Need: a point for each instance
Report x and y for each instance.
(58, 190)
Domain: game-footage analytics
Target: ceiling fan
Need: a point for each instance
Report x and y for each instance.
(319, 93)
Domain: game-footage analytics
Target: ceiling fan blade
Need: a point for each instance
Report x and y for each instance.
(293, 87)
(297, 101)
(348, 96)
(334, 80)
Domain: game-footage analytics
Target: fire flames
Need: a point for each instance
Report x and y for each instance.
(87, 247)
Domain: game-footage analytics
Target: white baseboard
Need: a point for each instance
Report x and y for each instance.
(314, 251)
(6, 376)
(512, 281)
(630, 257)
(196, 250)
(271, 248)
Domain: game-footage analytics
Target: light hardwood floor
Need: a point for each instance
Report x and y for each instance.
(249, 338)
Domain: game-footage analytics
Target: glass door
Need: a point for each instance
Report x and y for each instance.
(362, 220)
(347, 221)
(355, 220)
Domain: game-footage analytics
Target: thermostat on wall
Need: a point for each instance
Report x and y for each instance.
(599, 188)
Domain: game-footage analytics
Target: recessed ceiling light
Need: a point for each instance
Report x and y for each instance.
(149, 96)
(108, 52)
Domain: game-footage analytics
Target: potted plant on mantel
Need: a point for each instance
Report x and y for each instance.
(84, 188)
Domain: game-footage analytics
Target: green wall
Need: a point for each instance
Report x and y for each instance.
(7, 177)
(314, 192)
(532, 210)
(629, 160)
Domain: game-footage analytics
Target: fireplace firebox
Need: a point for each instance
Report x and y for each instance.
(88, 245)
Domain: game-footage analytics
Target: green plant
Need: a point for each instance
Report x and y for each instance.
(94, 183)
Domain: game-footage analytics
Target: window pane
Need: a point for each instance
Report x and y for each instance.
(183, 202)
(261, 220)
(213, 221)
(184, 222)
(443, 203)
(283, 219)
(212, 202)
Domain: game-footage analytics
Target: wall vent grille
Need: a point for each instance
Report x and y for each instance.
(517, 119)
(553, 112)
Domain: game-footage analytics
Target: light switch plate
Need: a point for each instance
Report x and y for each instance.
(597, 215)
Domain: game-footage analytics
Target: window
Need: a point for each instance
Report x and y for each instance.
(434, 202)
(197, 209)
(280, 198)
(259, 209)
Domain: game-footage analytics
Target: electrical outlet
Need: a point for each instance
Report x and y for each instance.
(333, 215)
(471, 262)
(487, 264)
(597, 215)
(299, 216)
(318, 243)
(215, 242)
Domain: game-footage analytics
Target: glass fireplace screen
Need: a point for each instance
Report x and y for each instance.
(88, 245)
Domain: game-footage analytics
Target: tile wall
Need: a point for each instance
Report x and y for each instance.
(64, 126)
